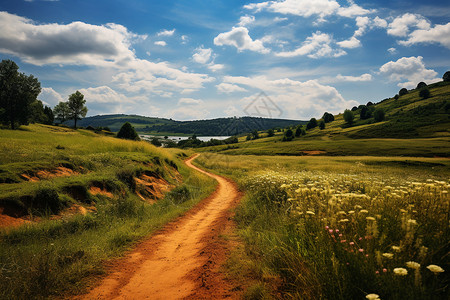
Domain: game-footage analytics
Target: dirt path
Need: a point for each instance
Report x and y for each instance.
(183, 259)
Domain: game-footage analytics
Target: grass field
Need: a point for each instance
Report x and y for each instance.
(61, 255)
(341, 227)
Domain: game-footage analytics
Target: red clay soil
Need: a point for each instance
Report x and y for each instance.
(183, 260)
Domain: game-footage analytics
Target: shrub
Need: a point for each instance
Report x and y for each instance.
(298, 131)
(270, 132)
(311, 124)
(288, 135)
(425, 93)
(128, 132)
(402, 92)
(327, 117)
(446, 76)
(348, 117)
(322, 125)
(378, 115)
(421, 85)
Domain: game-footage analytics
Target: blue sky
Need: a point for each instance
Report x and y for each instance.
(205, 59)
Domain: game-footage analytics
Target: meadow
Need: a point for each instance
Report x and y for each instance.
(61, 251)
(341, 227)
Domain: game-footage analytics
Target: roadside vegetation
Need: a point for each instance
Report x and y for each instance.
(341, 227)
(112, 193)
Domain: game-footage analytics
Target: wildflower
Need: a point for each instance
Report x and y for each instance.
(435, 269)
(384, 270)
(370, 218)
(343, 241)
(413, 222)
(330, 230)
(413, 265)
(361, 250)
(373, 296)
(364, 211)
(343, 221)
(388, 255)
(350, 212)
(352, 243)
(400, 271)
(310, 212)
(396, 248)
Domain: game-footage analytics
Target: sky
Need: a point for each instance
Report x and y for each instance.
(203, 59)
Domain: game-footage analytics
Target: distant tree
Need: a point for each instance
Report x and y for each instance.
(354, 108)
(77, 107)
(17, 93)
(298, 131)
(348, 117)
(166, 137)
(249, 137)
(421, 85)
(425, 93)
(369, 103)
(156, 142)
(327, 117)
(396, 96)
(288, 135)
(255, 134)
(402, 92)
(270, 132)
(378, 115)
(311, 124)
(37, 114)
(128, 132)
(49, 114)
(322, 125)
(364, 114)
(446, 76)
(61, 112)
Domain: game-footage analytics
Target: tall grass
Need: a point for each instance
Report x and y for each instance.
(345, 228)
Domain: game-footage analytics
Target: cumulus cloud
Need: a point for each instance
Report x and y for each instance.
(229, 88)
(401, 26)
(409, 71)
(76, 43)
(350, 44)
(104, 99)
(161, 43)
(202, 55)
(363, 77)
(354, 10)
(166, 32)
(392, 50)
(189, 101)
(315, 46)
(188, 109)
(295, 98)
(245, 20)
(239, 38)
(439, 34)
(50, 97)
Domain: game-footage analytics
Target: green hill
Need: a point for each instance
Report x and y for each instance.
(413, 126)
(212, 127)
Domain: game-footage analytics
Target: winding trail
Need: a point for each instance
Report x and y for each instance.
(182, 260)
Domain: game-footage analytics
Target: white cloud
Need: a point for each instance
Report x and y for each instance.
(299, 100)
(392, 50)
(189, 101)
(353, 11)
(363, 77)
(76, 43)
(215, 67)
(315, 46)
(409, 71)
(350, 44)
(245, 20)
(401, 25)
(362, 23)
(202, 55)
(50, 97)
(438, 34)
(239, 38)
(161, 43)
(381, 23)
(103, 99)
(229, 88)
(184, 39)
(166, 32)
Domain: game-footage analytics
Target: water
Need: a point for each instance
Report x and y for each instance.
(180, 138)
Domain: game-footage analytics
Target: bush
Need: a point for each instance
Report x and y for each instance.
(348, 117)
(365, 113)
(270, 132)
(322, 125)
(421, 85)
(425, 93)
(311, 124)
(288, 135)
(378, 115)
(327, 117)
(402, 92)
(446, 76)
(128, 132)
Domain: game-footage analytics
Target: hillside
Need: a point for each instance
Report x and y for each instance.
(212, 127)
(412, 127)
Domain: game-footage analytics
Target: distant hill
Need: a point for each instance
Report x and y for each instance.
(212, 127)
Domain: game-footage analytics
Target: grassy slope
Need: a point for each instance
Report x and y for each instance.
(55, 257)
(413, 127)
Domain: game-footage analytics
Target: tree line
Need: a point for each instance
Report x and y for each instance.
(19, 104)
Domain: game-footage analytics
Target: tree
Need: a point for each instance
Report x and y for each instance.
(311, 124)
(425, 93)
(322, 125)
(49, 115)
(255, 134)
(77, 108)
(270, 132)
(421, 85)
(17, 93)
(288, 135)
(378, 115)
(402, 92)
(348, 117)
(61, 112)
(364, 114)
(128, 132)
(396, 96)
(298, 131)
(446, 76)
(327, 117)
